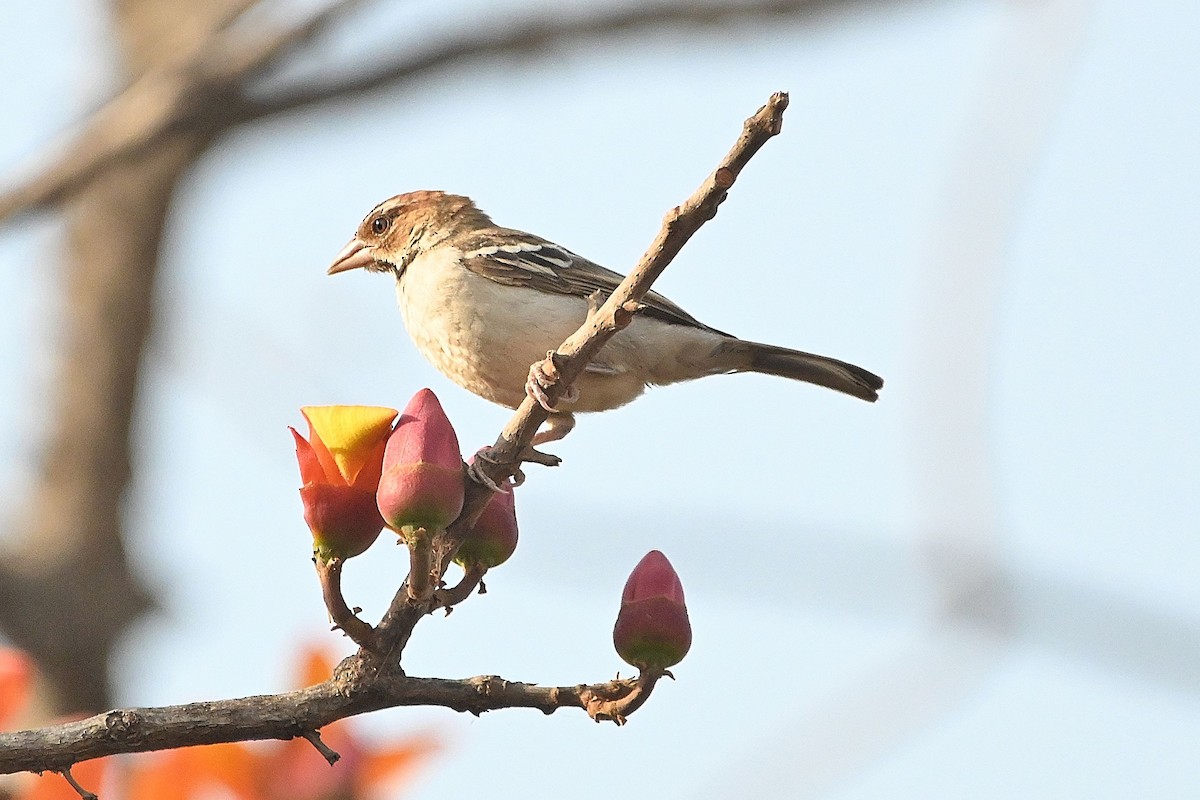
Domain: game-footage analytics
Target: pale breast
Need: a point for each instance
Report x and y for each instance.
(484, 335)
(481, 334)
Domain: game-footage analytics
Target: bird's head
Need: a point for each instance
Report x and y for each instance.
(401, 228)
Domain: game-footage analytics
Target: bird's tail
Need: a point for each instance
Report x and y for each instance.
(821, 370)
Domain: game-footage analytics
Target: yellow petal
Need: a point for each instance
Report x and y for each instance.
(350, 433)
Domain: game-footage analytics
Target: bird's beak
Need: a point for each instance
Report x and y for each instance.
(354, 255)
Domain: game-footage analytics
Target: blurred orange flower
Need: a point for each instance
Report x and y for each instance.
(287, 770)
(16, 677)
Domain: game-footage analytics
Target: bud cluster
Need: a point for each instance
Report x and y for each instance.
(366, 468)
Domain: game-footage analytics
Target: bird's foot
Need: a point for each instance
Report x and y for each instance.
(480, 475)
(544, 376)
(538, 457)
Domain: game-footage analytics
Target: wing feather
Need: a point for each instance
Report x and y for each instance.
(514, 258)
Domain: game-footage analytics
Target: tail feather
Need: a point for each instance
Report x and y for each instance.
(820, 370)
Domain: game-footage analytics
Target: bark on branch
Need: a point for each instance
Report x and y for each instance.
(353, 690)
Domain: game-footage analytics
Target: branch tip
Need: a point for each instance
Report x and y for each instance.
(616, 700)
(594, 301)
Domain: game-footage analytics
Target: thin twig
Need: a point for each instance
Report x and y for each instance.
(329, 572)
(678, 227)
(606, 705)
(83, 793)
(328, 753)
(472, 578)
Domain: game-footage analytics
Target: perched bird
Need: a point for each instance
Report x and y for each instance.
(484, 303)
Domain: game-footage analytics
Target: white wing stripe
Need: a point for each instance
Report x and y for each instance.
(528, 256)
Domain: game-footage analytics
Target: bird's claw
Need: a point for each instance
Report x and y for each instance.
(480, 475)
(543, 376)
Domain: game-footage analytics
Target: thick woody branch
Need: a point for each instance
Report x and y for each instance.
(286, 716)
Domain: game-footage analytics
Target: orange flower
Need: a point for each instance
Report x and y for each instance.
(340, 464)
(294, 770)
(16, 684)
(16, 678)
(221, 770)
(291, 770)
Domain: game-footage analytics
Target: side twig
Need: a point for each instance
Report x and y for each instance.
(82, 792)
(328, 753)
(330, 574)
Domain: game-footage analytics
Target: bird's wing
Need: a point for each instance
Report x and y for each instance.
(522, 259)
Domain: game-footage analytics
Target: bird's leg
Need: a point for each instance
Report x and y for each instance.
(558, 425)
(543, 376)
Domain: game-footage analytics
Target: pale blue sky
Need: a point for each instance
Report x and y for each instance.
(802, 522)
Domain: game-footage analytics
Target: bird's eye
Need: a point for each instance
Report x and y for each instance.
(380, 224)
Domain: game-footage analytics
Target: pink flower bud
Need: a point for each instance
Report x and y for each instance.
(493, 538)
(340, 464)
(422, 482)
(652, 630)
